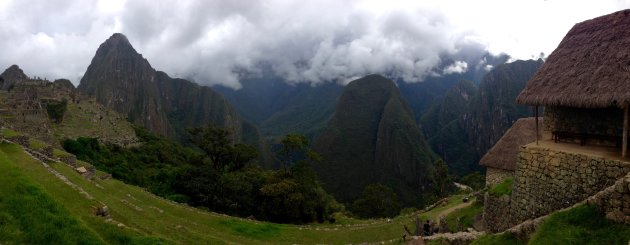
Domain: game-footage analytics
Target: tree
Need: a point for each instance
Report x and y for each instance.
(442, 181)
(294, 149)
(475, 180)
(216, 143)
(56, 110)
(377, 200)
(294, 194)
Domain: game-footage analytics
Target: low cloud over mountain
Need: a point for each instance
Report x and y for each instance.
(222, 42)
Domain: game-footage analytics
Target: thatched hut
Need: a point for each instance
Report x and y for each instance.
(584, 86)
(501, 159)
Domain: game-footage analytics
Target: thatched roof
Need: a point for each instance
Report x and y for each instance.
(589, 69)
(503, 154)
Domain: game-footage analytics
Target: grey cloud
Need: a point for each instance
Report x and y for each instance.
(214, 41)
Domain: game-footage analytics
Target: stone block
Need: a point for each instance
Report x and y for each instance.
(620, 188)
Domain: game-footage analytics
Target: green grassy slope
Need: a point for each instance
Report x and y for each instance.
(140, 217)
(580, 225)
(29, 215)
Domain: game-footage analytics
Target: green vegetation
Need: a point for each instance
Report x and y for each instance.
(581, 225)
(502, 239)
(438, 242)
(584, 224)
(46, 211)
(56, 110)
(60, 153)
(376, 201)
(223, 178)
(147, 219)
(30, 216)
(503, 188)
(9, 133)
(373, 138)
(443, 125)
(252, 230)
(155, 164)
(36, 144)
(475, 180)
(465, 215)
(86, 118)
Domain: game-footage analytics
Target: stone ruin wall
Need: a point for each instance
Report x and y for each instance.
(495, 209)
(496, 212)
(495, 175)
(548, 180)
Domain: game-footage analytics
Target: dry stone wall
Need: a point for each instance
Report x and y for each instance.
(614, 201)
(548, 180)
(496, 212)
(495, 176)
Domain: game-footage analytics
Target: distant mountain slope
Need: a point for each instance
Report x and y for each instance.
(121, 79)
(463, 126)
(372, 138)
(422, 95)
(307, 111)
(444, 128)
(279, 108)
(493, 110)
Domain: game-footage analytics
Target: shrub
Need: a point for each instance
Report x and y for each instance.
(376, 201)
(56, 110)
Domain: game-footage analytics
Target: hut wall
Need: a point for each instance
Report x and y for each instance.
(600, 121)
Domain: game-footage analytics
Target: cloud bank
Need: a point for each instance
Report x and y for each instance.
(223, 42)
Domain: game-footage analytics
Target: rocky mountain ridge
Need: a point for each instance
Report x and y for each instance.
(121, 79)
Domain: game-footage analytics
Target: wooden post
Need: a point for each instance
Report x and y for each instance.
(624, 146)
(536, 124)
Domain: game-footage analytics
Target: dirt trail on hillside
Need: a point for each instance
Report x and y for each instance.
(452, 209)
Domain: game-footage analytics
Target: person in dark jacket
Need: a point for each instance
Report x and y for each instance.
(427, 228)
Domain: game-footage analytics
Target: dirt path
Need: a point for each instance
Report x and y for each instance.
(452, 209)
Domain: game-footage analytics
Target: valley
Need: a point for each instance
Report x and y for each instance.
(336, 122)
(138, 217)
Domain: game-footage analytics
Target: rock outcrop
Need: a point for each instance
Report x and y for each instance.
(373, 138)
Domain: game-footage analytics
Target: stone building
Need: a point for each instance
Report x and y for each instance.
(500, 160)
(584, 87)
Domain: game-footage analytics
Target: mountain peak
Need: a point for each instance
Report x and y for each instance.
(117, 44)
(12, 75)
(373, 138)
(14, 71)
(118, 38)
(373, 81)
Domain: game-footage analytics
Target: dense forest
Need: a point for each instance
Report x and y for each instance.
(217, 175)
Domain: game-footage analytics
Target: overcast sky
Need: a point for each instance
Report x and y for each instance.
(213, 41)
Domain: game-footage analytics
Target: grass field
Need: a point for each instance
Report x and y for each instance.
(138, 217)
